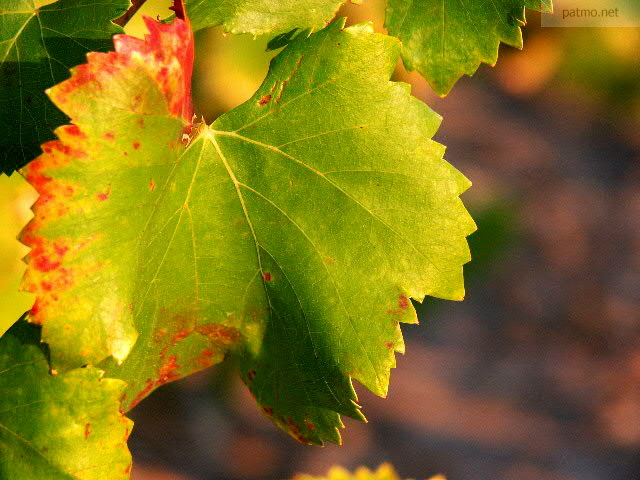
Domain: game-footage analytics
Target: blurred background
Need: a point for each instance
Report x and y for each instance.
(536, 375)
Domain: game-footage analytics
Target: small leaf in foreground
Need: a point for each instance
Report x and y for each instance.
(384, 472)
(38, 46)
(291, 233)
(445, 40)
(57, 427)
(259, 17)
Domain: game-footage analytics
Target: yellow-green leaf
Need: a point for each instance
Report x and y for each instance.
(57, 427)
(290, 233)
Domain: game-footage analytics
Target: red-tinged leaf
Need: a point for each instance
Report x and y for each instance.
(71, 261)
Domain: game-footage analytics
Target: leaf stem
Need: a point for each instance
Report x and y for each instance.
(133, 9)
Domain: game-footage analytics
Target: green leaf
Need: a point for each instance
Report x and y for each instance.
(290, 233)
(38, 46)
(259, 17)
(57, 426)
(441, 40)
(445, 40)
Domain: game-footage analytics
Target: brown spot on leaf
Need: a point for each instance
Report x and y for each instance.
(403, 302)
(251, 374)
(109, 136)
(136, 145)
(152, 185)
(87, 431)
(266, 276)
(264, 100)
(219, 333)
(389, 345)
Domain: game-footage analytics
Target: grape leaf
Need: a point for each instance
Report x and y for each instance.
(384, 472)
(261, 16)
(66, 427)
(445, 40)
(37, 48)
(442, 40)
(290, 233)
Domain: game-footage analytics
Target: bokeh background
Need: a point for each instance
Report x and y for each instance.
(536, 375)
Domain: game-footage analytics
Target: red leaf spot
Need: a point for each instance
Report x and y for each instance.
(60, 249)
(403, 302)
(389, 345)
(264, 100)
(141, 122)
(136, 145)
(35, 310)
(45, 264)
(181, 335)
(267, 276)
(38, 181)
(267, 410)
(102, 196)
(206, 358)
(152, 185)
(296, 431)
(109, 136)
(168, 371)
(74, 131)
(310, 426)
(82, 74)
(143, 393)
(87, 431)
